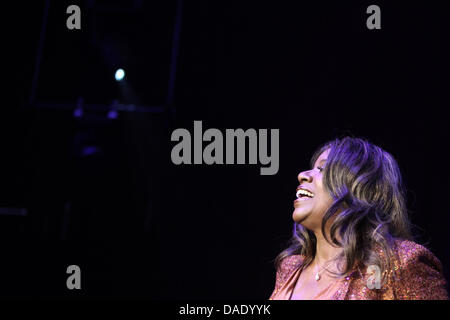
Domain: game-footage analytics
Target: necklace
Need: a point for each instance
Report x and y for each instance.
(318, 272)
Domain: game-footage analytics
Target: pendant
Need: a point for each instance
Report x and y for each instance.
(317, 276)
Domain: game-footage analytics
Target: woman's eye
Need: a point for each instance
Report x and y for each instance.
(320, 169)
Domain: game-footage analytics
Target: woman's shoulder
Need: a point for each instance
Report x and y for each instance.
(418, 272)
(410, 252)
(291, 262)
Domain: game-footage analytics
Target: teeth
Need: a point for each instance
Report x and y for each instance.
(301, 192)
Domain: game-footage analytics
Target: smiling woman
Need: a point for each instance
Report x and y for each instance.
(351, 237)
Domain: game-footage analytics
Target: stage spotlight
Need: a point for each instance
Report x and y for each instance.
(113, 114)
(78, 111)
(120, 74)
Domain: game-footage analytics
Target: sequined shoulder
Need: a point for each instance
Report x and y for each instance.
(419, 273)
(291, 262)
(286, 267)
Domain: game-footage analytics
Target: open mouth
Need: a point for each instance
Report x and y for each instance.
(304, 194)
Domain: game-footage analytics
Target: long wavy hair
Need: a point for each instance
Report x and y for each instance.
(368, 209)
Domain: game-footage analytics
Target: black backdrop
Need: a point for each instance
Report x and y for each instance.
(140, 226)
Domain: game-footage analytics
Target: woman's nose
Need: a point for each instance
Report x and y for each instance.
(304, 177)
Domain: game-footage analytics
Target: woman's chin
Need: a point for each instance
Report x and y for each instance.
(299, 215)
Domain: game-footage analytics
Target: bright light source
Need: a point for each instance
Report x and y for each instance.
(120, 74)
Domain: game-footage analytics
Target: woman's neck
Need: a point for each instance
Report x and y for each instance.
(324, 250)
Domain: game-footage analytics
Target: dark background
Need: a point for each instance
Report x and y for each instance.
(103, 193)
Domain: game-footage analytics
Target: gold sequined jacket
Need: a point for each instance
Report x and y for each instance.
(416, 274)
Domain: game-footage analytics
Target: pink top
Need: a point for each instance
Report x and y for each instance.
(286, 291)
(416, 274)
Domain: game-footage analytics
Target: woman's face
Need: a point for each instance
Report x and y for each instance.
(310, 206)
